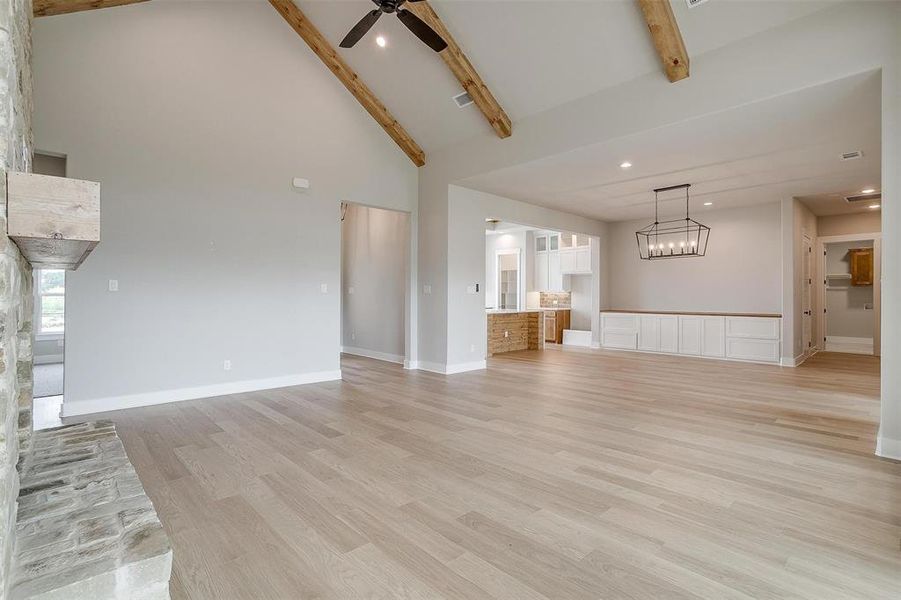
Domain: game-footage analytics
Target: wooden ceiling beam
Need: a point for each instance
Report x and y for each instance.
(658, 14)
(326, 53)
(463, 70)
(48, 8)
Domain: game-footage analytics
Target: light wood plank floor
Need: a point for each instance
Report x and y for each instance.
(556, 475)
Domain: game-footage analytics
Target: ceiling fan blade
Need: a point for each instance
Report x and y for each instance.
(421, 30)
(360, 29)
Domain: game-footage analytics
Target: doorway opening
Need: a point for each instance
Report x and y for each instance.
(851, 293)
(49, 322)
(375, 283)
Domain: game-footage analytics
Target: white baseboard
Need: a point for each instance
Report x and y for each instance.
(98, 405)
(887, 447)
(395, 358)
(411, 365)
(796, 361)
(444, 369)
(596, 345)
(48, 359)
(848, 340)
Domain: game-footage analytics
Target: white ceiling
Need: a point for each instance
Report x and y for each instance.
(788, 146)
(534, 55)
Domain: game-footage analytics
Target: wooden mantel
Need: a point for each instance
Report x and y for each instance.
(55, 221)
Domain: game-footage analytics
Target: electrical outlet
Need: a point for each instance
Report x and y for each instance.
(506, 334)
(114, 285)
(427, 290)
(472, 347)
(350, 290)
(353, 335)
(227, 365)
(323, 287)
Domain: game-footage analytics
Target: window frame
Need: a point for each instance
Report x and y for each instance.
(39, 334)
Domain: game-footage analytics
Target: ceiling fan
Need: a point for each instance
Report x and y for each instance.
(419, 28)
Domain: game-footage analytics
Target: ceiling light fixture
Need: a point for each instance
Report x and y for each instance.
(875, 205)
(868, 191)
(381, 42)
(678, 238)
(625, 165)
(708, 204)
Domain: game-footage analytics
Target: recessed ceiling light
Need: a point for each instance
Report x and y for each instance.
(875, 205)
(625, 165)
(381, 42)
(868, 191)
(708, 204)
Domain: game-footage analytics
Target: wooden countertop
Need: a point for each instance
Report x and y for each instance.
(699, 314)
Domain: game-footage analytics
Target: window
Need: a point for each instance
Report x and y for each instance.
(50, 301)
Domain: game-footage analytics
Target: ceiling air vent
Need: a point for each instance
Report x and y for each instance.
(693, 3)
(463, 99)
(851, 155)
(863, 198)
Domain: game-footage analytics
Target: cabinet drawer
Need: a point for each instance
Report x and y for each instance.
(749, 349)
(617, 338)
(752, 327)
(620, 321)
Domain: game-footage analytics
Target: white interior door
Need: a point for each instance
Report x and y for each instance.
(806, 291)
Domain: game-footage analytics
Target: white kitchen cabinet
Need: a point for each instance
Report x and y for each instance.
(583, 260)
(541, 271)
(555, 274)
(567, 260)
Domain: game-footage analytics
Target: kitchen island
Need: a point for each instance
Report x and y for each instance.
(510, 330)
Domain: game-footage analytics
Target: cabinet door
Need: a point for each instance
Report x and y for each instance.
(555, 276)
(649, 333)
(713, 336)
(541, 266)
(567, 261)
(861, 266)
(583, 260)
(553, 243)
(550, 327)
(668, 327)
(541, 243)
(690, 335)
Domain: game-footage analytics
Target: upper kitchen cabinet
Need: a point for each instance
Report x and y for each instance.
(55, 221)
(575, 254)
(548, 269)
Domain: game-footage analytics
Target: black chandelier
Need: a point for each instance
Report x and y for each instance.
(679, 238)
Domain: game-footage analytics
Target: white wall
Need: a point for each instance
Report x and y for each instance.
(375, 247)
(846, 312)
(580, 287)
(504, 241)
(868, 222)
(740, 273)
(195, 144)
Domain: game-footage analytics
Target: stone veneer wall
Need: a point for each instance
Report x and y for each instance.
(546, 299)
(15, 273)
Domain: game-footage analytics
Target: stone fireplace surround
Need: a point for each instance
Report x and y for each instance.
(75, 522)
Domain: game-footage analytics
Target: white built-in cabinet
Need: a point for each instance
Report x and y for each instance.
(747, 338)
(575, 253)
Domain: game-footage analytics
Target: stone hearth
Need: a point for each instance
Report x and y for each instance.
(85, 528)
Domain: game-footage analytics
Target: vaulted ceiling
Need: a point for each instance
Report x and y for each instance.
(533, 55)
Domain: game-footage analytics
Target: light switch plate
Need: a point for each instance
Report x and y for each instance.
(427, 289)
(323, 287)
(114, 285)
(350, 290)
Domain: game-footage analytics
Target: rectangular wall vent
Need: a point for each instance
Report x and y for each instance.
(852, 155)
(693, 3)
(463, 99)
(863, 198)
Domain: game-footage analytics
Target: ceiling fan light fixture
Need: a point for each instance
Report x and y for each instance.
(381, 42)
(868, 191)
(625, 165)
